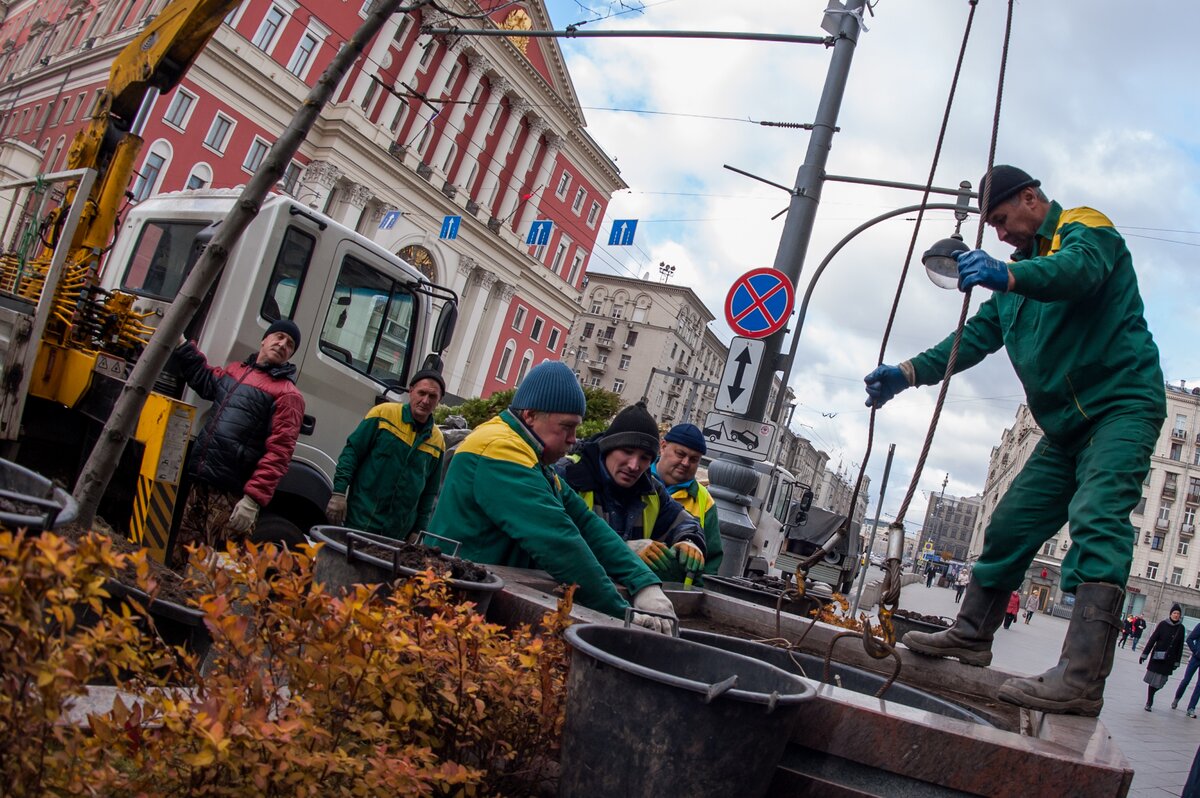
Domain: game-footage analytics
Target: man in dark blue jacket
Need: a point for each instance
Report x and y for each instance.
(612, 475)
(1193, 644)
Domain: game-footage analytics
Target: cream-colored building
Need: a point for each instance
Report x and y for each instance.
(646, 339)
(1166, 559)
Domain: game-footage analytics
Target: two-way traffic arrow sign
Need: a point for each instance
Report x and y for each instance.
(741, 371)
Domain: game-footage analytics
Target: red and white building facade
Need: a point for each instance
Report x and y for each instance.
(489, 129)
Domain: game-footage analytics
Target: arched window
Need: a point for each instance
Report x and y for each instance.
(526, 362)
(505, 360)
(422, 259)
(150, 176)
(200, 177)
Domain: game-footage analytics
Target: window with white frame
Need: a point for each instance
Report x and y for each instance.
(254, 155)
(1177, 576)
(519, 318)
(580, 196)
(535, 332)
(624, 364)
(552, 341)
(218, 133)
(618, 385)
(559, 253)
(539, 252)
(505, 361)
(618, 310)
(302, 56)
(526, 362)
(593, 214)
(576, 267)
(1182, 548)
(426, 54)
(564, 182)
(180, 109)
(495, 118)
(595, 308)
(594, 382)
(1151, 570)
(150, 175)
(268, 30)
(200, 176)
(79, 101)
(291, 177)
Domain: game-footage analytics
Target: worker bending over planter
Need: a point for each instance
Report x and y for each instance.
(1068, 311)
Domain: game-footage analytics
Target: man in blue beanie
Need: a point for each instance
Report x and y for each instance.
(678, 459)
(504, 503)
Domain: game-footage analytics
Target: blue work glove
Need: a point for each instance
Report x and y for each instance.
(976, 267)
(883, 383)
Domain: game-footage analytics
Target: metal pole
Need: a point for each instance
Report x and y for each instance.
(576, 33)
(887, 470)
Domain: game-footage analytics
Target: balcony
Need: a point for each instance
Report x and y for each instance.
(673, 390)
(1187, 530)
(1192, 498)
(597, 365)
(1162, 523)
(1179, 434)
(1169, 491)
(604, 342)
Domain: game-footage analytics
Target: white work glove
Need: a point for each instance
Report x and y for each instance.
(244, 514)
(335, 511)
(652, 599)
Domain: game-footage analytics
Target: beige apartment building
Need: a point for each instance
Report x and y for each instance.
(1166, 560)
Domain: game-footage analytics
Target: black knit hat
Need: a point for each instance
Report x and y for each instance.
(288, 328)
(633, 427)
(1006, 181)
(429, 374)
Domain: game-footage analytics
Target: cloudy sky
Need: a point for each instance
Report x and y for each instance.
(1099, 103)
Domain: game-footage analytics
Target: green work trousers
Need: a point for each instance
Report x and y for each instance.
(1094, 485)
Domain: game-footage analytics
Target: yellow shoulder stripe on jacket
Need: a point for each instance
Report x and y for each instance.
(391, 418)
(496, 441)
(1088, 217)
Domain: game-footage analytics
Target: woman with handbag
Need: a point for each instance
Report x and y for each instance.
(1164, 649)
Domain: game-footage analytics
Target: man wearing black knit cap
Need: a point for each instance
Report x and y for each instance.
(389, 472)
(611, 474)
(246, 444)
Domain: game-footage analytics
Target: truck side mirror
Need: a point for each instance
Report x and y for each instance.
(443, 331)
(806, 500)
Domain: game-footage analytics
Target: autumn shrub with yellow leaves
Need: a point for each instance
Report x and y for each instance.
(303, 692)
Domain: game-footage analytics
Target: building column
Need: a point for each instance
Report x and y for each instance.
(354, 197)
(516, 111)
(375, 59)
(475, 307)
(512, 194)
(476, 66)
(462, 276)
(503, 298)
(426, 110)
(545, 173)
(319, 177)
(499, 88)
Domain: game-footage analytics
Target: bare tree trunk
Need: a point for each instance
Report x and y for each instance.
(104, 457)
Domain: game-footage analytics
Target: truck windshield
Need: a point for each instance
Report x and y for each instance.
(368, 325)
(160, 261)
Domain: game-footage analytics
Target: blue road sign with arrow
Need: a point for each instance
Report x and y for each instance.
(622, 232)
(539, 233)
(741, 371)
(389, 220)
(450, 227)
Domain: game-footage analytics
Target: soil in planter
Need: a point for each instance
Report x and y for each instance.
(419, 557)
(17, 507)
(171, 586)
(933, 620)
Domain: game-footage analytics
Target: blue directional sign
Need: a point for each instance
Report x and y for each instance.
(622, 232)
(539, 233)
(389, 220)
(450, 227)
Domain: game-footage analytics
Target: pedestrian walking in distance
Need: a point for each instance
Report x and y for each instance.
(1126, 628)
(960, 584)
(1014, 606)
(1031, 606)
(1164, 649)
(1193, 644)
(1136, 630)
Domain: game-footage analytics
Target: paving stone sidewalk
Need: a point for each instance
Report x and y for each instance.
(1160, 744)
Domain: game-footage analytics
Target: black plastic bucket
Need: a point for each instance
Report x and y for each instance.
(175, 624)
(28, 499)
(841, 675)
(651, 715)
(341, 563)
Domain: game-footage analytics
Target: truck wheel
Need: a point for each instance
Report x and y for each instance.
(276, 529)
(712, 438)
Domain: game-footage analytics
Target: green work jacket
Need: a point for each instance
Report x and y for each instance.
(1073, 326)
(506, 507)
(390, 471)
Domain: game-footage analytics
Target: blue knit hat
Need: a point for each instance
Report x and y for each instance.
(550, 387)
(688, 435)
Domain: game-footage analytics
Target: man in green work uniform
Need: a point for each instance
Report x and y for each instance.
(389, 472)
(611, 473)
(1068, 312)
(505, 504)
(678, 459)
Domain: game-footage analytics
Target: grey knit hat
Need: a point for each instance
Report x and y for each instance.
(429, 374)
(550, 387)
(633, 427)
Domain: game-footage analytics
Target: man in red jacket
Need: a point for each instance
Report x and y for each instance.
(245, 446)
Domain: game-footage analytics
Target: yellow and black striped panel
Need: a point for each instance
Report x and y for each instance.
(153, 508)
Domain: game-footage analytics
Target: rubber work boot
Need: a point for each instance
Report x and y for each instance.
(970, 638)
(1075, 686)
